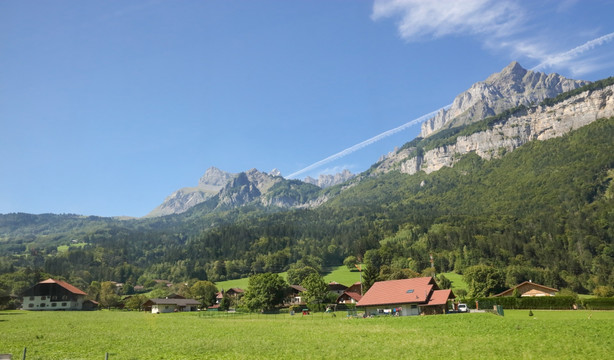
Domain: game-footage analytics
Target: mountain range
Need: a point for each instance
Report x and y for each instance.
(511, 87)
(517, 174)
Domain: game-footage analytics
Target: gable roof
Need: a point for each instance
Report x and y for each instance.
(531, 284)
(405, 291)
(350, 294)
(65, 285)
(440, 297)
(333, 285)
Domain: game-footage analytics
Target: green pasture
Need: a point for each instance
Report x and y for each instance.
(139, 335)
(340, 274)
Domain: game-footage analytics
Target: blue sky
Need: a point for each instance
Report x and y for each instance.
(106, 107)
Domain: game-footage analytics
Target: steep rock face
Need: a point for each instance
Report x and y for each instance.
(247, 187)
(511, 87)
(538, 123)
(183, 199)
(325, 180)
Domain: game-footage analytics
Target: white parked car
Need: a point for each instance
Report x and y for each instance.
(463, 308)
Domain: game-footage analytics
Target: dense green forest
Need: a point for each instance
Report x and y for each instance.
(542, 212)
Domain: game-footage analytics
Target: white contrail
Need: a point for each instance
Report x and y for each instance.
(578, 50)
(367, 142)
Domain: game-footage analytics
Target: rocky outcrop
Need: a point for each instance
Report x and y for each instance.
(183, 199)
(247, 187)
(537, 123)
(325, 180)
(511, 87)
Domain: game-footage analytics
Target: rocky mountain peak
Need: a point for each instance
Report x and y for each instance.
(506, 89)
(216, 177)
(325, 180)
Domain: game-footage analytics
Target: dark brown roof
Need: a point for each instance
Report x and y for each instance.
(65, 285)
(298, 288)
(350, 294)
(333, 285)
(416, 290)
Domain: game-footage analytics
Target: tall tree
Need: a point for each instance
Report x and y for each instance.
(204, 291)
(317, 290)
(265, 291)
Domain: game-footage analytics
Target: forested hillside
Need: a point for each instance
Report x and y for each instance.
(543, 212)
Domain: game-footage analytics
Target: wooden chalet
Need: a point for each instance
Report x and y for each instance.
(417, 296)
(336, 288)
(348, 297)
(529, 288)
(54, 294)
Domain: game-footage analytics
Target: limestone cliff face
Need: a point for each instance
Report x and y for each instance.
(538, 123)
(325, 180)
(511, 87)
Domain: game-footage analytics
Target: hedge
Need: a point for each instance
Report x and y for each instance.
(536, 302)
(598, 303)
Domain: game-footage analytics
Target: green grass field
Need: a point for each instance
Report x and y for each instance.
(340, 274)
(138, 335)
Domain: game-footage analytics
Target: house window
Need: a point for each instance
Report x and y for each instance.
(43, 305)
(31, 305)
(43, 298)
(54, 304)
(31, 297)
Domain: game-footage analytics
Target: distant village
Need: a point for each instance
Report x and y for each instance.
(406, 297)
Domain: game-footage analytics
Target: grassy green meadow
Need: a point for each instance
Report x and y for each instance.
(139, 335)
(340, 274)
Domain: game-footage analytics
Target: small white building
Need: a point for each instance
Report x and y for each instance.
(167, 305)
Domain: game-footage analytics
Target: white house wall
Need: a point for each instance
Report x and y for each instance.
(45, 303)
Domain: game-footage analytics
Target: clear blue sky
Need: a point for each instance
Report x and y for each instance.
(106, 107)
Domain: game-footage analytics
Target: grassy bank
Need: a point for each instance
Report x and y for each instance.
(137, 335)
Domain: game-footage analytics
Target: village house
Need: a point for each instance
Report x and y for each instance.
(417, 296)
(336, 288)
(348, 297)
(295, 295)
(355, 288)
(168, 305)
(54, 294)
(529, 288)
(234, 293)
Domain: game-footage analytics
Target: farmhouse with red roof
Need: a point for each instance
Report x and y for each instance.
(53, 295)
(405, 297)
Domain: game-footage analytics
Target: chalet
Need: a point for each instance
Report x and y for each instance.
(355, 288)
(54, 295)
(168, 305)
(336, 288)
(295, 295)
(417, 296)
(348, 297)
(234, 293)
(529, 288)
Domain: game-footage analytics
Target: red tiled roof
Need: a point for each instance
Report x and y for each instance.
(416, 290)
(65, 285)
(440, 297)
